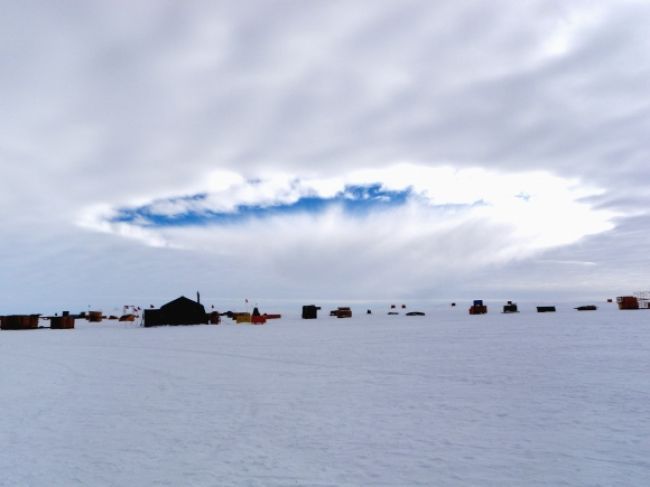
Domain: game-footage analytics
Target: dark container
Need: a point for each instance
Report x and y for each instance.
(64, 322)
(546, 309)
(19, 322)
(310, 312)
(627, 302)
(95, 316)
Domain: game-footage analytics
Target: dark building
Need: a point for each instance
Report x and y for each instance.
(310, 312)
(63, 322)
(180, 311)
(510, 307)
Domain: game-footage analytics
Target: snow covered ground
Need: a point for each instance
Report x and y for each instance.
(447, 399)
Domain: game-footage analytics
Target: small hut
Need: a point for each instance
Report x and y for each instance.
(510, 307)
(478, 308)
(627, 302)
(95, 316)
(19, 322)
(63, 322)
(310, 312)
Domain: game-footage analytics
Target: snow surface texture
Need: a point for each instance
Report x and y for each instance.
(446, 400)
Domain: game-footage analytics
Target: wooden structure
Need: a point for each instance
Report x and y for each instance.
(19, 322)
(64, 322)
(627, 302)
(341, 312)
(95, 316)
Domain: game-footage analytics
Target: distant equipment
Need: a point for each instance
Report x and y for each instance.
(510, 307)
(478, 308)
(342, 312)
(546, 309)
(588, 307)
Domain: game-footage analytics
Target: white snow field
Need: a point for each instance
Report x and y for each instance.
(444, 400)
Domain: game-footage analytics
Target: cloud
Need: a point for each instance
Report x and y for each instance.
(437, 221)
(120, 106)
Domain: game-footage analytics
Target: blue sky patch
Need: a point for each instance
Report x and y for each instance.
(355, 200)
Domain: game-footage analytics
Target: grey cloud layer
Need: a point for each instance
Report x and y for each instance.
(120, 102)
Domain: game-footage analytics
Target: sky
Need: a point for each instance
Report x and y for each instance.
(289, 150)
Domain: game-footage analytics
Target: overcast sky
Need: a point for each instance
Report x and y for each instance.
(334, 149)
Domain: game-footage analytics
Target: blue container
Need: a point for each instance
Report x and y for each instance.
(478, 302)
